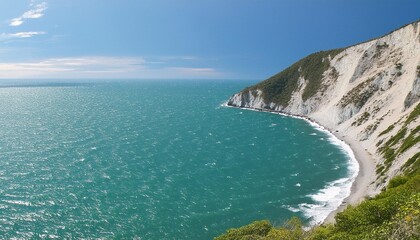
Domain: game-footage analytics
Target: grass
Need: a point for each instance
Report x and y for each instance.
(389, 129)
(413, 115)
(389, 150)
(412, 165)
(412, 139)
(395, 139)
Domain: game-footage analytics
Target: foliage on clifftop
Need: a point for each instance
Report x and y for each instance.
(393, 214)
(279, 88)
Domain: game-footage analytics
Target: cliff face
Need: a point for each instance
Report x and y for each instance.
(369, 92)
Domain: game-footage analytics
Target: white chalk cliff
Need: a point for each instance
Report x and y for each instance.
(365, 92)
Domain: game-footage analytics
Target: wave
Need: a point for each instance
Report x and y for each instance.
(333, 194)
(326, 200)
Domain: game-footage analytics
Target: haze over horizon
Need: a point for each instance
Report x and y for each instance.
(184, 39)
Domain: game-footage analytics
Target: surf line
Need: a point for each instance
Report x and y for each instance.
(317, 213)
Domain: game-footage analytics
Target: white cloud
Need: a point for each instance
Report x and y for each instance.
(36, 12)
(100, 67)
(196, 71)
(9, 36)
(16, 22)
(25, 34)
(171, 58)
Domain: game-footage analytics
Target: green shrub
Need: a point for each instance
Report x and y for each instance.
(413, 115)
(389, 129)
(279, 88)
(412, 139)
(397, 181)
(412, 166)
(255, 230)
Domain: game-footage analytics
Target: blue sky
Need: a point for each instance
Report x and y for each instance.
(212, 39)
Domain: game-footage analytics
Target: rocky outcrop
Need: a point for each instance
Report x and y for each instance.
(414, 95)
(361, 91)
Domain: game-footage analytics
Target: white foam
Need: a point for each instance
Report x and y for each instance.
(333, 194)
(292, 209)
(18, 202)
(326, 200)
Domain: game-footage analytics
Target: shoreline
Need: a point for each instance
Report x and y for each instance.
(359, 188)
(366, 166)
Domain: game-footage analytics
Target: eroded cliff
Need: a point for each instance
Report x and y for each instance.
(369, 92)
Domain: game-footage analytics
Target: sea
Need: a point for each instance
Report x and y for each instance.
(157, 159)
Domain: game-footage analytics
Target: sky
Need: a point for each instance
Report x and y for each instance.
(182, 39)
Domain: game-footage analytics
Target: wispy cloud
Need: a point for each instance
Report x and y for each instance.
(9, 36)
(37, 11)
(100, 67)
(196, 71)
(171, 58)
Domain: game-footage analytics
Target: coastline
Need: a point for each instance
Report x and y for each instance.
(359, 188)
(366, 165)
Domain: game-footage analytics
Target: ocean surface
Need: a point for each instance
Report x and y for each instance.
(156, 160)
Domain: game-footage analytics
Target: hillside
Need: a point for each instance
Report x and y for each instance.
(367, 95)
(366, 92)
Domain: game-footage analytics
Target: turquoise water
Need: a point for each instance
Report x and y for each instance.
(154, 160)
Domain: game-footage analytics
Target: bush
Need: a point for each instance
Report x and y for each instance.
(255, 230)
(397, 181)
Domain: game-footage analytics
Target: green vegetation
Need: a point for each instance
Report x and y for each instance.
(263, 230)
(363, 118)
(389, 129)
(412, 166)
(413, 115)
(411, 140)
(390, 150)
(254, 230)
(360, 94)
(418, 71)
(393, 214)
(279, 88)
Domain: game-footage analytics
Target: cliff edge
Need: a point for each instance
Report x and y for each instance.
(367, 94)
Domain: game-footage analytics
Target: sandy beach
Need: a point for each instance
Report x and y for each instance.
(359, 189)
(366, 175)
